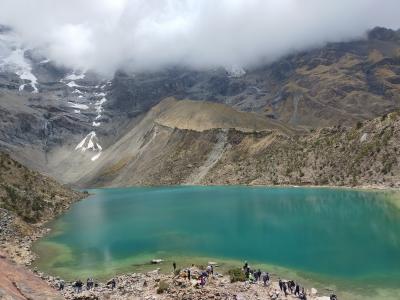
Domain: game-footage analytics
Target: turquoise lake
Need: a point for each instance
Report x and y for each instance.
(346, 240)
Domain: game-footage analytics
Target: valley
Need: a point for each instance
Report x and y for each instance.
(231, 139)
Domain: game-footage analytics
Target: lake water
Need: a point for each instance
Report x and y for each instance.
(347, 240)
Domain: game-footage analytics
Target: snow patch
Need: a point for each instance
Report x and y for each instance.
(90, 142)
(95, 124)
(73, 84)
(12, 59)
(75, 76)
(17, 63)
(77, 111)
(99, 105)
(96, 156)
(78, 105)
(235, 71)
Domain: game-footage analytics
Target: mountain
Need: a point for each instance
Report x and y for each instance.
(31, 196)
(27, 200)
(185, 126)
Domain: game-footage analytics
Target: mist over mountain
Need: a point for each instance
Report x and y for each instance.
(105, 35)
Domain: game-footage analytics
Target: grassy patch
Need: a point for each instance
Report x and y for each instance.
(237, 275)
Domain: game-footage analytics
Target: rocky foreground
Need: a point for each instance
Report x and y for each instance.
(17, 282)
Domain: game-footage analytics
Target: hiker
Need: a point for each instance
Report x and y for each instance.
(285, 288)
(258, 275)
(247, 272)
(252, 279)
(293, 288)
(202, 281)
(188, 274)
(265, 279)
(174, 266)
(303, 295)
(78, 286)
(61, 285)
(212, 270)
(208, 269)
(88, 284)
(112, 283)
(255, 274)
(280, 284)
(297, 290)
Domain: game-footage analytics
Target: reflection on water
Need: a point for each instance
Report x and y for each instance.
(339, 233)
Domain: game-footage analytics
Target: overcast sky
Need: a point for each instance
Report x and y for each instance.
(107, 34)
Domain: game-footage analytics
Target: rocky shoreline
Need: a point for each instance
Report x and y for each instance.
(155, 285)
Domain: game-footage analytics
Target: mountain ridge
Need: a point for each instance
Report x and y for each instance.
(87, 130)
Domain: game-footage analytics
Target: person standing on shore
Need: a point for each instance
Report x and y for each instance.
(78, 286)
(280, 284)
(113, 283)
(284, 286)
(259, 275)
(297, 289)
(61, 285)
(174, 266)
(188, 274)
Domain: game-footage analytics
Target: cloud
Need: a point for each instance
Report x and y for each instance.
(105, 35)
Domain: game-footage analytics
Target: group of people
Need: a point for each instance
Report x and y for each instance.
(256, 275)
(285, 286)
(204, 275)
(292, 288)
(90, 284)
(253, 276)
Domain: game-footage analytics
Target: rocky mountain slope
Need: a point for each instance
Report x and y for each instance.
(31, 196)
(87, 130)
(27, 200)
(340, 83)
(364, 155)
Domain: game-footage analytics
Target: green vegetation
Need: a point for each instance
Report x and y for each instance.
(30, 195)
(237, 275)
(163, 286)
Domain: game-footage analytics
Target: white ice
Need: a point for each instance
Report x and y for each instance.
(78, 105)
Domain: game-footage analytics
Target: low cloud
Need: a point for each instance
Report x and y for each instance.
(105, 35)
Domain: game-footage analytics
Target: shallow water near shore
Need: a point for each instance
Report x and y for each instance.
(341, 239)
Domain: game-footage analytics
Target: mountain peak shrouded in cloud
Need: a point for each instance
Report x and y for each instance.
(105, 35)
